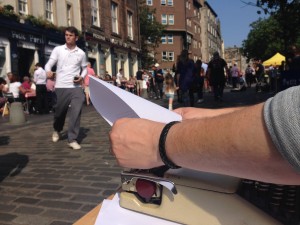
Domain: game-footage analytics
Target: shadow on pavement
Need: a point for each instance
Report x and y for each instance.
(12, 164)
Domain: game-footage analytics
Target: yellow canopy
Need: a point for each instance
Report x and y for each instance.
(275, 60)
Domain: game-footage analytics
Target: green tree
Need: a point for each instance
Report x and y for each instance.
(287, 14)
(151, 32)
(263, 40)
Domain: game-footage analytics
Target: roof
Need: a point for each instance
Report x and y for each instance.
(275, 60)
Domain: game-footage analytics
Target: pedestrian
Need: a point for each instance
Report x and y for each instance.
(131, 84)
(14, 86)
(51, 93)
(185, 72)
(2, 98)
(69, 60)
(259, 74)
(235, 73)
(121, 80)
(159, 81)
(140, 74)
(206, 140)
(90, 72)
(216, 73)
(40, 80)
(170, 89)
(249, 75)
(200, 74)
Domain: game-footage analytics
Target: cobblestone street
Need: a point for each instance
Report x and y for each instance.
(46, 183)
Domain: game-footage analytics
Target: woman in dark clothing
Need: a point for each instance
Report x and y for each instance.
(185, 71)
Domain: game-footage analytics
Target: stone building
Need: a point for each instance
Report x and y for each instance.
(26, 40)
(30, 29)
(183, 30)
(111, 33)
(211, 33)
(233, 55)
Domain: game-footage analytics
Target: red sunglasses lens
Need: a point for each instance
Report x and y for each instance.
(145, 188)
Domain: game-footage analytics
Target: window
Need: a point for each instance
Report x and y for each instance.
(167, 39)
(171, 56)
(170, 38)
(170, 3)
(163, 2)
(149, 2)
(95, 13)
(23, 7)
(164, 39)
(129, 25)
(49, 10)
(150, 17)
(168, 56)
(163, 19)
(171, 19)
(69, 15)
(114, 17)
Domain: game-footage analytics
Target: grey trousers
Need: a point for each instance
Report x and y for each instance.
(73, 97)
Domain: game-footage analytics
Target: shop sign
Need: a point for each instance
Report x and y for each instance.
(26, 37)
(27, 45)
(52, 43)
(98, 37)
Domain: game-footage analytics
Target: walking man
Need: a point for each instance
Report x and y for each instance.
(216, 73)
(69, 60)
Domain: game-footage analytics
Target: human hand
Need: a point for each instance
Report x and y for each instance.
(50, 74)
(134, 142)
(77, 79)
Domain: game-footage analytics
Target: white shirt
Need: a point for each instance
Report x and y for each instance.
(119, 78)
(68, 63)
(40, 76)
(14, 89)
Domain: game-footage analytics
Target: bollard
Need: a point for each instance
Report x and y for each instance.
(16, 113)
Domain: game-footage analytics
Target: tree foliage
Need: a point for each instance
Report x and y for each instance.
(275, 34)
(287, 14)
(151, 32)
(263, 40)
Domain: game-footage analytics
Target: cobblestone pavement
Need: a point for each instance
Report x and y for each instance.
(46, 183)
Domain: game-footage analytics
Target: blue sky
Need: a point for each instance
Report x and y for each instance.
(235, 19)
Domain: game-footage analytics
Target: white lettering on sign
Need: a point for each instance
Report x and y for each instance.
(97, 36)
(35, 39)
(19, 36)
(53, 43)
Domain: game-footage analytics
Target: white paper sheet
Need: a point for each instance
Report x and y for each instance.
(112, 214)
(113, 103)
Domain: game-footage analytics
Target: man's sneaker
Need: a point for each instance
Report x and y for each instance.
(55, 136)
(75, 145)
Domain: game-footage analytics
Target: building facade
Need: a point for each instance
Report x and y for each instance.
(183, 29)
(211, 33)
(233, 55)
(29, 32)
(111, 33)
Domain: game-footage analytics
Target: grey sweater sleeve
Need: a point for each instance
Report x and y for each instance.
(282, 118)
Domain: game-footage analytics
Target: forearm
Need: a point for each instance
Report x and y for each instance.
(51, 62)
(220, 145)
